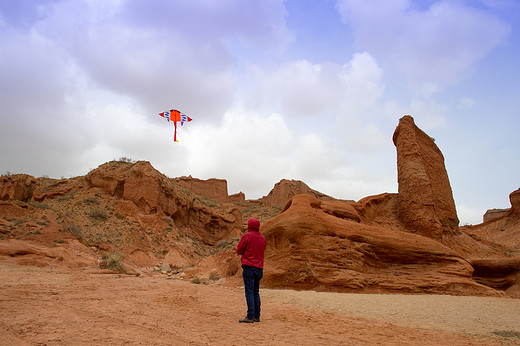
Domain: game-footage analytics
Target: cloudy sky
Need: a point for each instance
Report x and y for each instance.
(308, 90)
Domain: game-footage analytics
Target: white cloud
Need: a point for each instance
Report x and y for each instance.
(436, 46)
(367, 139)
(466, 103)
(317, 92)
(155, 67)
(162, 52)
(249, 150)
(468, 215)
(85, 78)
(313, 158)
(253, 152)
(429, 113)
(363, 85)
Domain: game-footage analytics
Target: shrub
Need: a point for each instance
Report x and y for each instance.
(98, 214)
(209, 202)
(93, 200)
(114, 260)
(74, 229)
(507, 333)
(39, 205)
(126, 159)
(168, 220)
(222, 243)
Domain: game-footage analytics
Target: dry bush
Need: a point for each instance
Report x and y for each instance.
(114, 261)
(98, 214)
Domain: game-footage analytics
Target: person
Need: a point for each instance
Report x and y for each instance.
(252, 247)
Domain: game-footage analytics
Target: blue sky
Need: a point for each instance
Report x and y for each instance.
(306, 90)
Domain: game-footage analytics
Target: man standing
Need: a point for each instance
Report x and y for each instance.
(251, 247)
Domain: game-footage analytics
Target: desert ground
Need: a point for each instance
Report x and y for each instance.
(60, 306)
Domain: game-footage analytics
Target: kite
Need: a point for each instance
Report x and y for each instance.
(174, 115)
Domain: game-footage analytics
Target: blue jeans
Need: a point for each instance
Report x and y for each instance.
(252, 278)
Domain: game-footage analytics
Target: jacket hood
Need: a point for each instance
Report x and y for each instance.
(253, 224)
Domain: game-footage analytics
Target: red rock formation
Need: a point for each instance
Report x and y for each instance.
(153, 193)
(504, 229)
(494, 214)
(212, 188)
(47, 189)
(33, 253)
(286, 189)
(313, 245)
(499, 273)
(239, 197)
(17, 187)
(123, 207)
(425, 200)
(514, 198)
(381, 210)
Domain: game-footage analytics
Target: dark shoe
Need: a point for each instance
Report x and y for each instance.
(245, 320)
(256, 319)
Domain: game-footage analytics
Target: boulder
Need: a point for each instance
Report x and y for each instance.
(425, 199)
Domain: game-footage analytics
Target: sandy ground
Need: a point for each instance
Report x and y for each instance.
(46, 306)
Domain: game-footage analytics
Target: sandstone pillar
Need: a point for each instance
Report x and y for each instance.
(425, 199)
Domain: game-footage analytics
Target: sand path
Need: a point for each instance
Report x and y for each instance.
(45, 306)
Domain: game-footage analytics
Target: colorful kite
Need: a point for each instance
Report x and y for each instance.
(174, 115)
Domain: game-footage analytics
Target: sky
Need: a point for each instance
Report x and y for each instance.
(277, 89)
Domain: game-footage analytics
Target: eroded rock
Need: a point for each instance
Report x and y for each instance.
(309, 247)
(153, 193)
(286, 189)
(425, 199)
(17, 187)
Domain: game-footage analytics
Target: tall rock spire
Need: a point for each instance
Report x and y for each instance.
(425, 200)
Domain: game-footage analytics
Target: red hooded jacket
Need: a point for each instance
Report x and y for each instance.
(252, 245)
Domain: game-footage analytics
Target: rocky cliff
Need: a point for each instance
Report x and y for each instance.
(124, 207)
(153, 193)
(504, 228)
(212, 188)
(494, 214)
